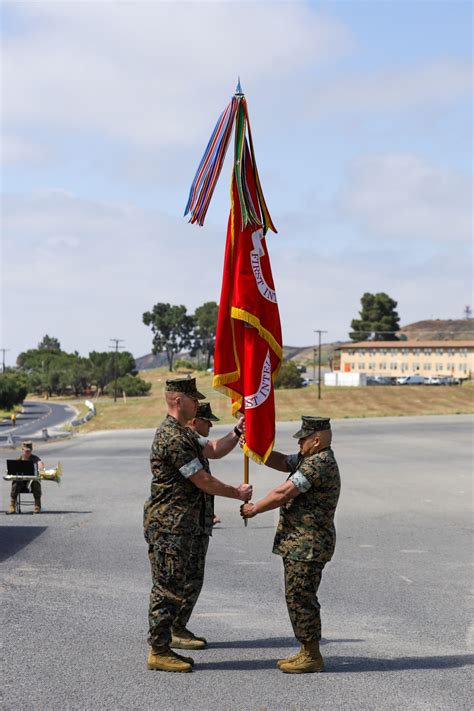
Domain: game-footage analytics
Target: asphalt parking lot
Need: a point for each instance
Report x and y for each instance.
(395, 599)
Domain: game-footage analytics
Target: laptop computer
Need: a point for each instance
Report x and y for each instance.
(20, 467)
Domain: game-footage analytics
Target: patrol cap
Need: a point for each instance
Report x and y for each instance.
(312, 424)
(187, 386)
(27, 445)
(205, 413)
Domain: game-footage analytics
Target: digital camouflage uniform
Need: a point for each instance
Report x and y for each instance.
(306, 536)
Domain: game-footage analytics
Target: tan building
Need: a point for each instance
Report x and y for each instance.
(397, 358)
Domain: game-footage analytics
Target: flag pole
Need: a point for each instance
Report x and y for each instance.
(246, 477)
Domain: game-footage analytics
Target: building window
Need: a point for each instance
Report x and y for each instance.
(361, 365)
(427, 366)
(404, 367)
(416, 366)
(394, 365)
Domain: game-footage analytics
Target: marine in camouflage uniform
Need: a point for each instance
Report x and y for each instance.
(197, 559)
(175, 518)
(305, 536)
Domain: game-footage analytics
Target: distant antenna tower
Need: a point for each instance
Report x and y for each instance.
(467, 312)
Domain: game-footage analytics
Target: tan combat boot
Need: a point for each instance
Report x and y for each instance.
(164, 659)
(188, 660)
(12, 506)
(184, 639)
(37, 508)
(289, 659)
(309, 660)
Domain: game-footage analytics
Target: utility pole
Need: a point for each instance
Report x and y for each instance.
(4, 350)
(319, 332)
(116, 350)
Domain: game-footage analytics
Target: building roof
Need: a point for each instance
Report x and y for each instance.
(407, 344)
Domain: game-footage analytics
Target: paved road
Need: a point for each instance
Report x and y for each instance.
(395, 600)
(35, 417)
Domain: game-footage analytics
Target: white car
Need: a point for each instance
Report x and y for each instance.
(411, 380)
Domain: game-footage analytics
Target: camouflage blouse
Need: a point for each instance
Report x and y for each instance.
(306, 528)
(208, 498)
(175, 505)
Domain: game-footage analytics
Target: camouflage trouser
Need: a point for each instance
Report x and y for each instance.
(302, 580)
(177, 569)
(22, 487)
(194, 580)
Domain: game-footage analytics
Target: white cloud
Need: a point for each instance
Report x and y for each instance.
(407, 88)
(16, 149)
(85, 272)
(138, 71)
(403, 197)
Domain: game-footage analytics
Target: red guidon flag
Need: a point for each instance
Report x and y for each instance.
(248, 350)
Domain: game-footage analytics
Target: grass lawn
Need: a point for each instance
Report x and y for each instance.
(336, 402)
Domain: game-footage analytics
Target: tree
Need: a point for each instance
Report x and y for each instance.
(131, 385)
(13, 390)
(205, 318)
(289, 376)
(378, 319)
(49, 344)
(106, 364)
(467, 312)
(172, 328)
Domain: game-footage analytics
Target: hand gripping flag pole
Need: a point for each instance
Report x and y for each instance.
(248, 350)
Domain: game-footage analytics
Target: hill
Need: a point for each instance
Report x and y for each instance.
(440, 330)
(429, 330)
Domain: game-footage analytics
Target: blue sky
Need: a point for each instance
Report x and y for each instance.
(361, 115)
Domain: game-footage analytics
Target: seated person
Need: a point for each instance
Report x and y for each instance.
(24, 487)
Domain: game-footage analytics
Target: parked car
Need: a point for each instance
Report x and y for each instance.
(411, 380)
(443, 380)
(379, 380)
(434, 381)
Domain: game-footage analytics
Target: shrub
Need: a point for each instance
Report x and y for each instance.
(13, 390)
(133, 386)
(289, 376)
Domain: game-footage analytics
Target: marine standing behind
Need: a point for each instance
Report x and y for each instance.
(182, 638)
(305, 536)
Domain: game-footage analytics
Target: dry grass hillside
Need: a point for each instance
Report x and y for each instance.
(440, 330)
(147, 412)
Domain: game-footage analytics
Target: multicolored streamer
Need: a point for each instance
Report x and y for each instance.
(208, 172)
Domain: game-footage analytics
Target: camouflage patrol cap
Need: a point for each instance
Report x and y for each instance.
(27, 445)
(205, 413)
(309, 425)
(187, 386)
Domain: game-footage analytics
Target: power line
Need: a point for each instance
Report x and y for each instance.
(4, 350)
(319, 332)
(116, 350)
